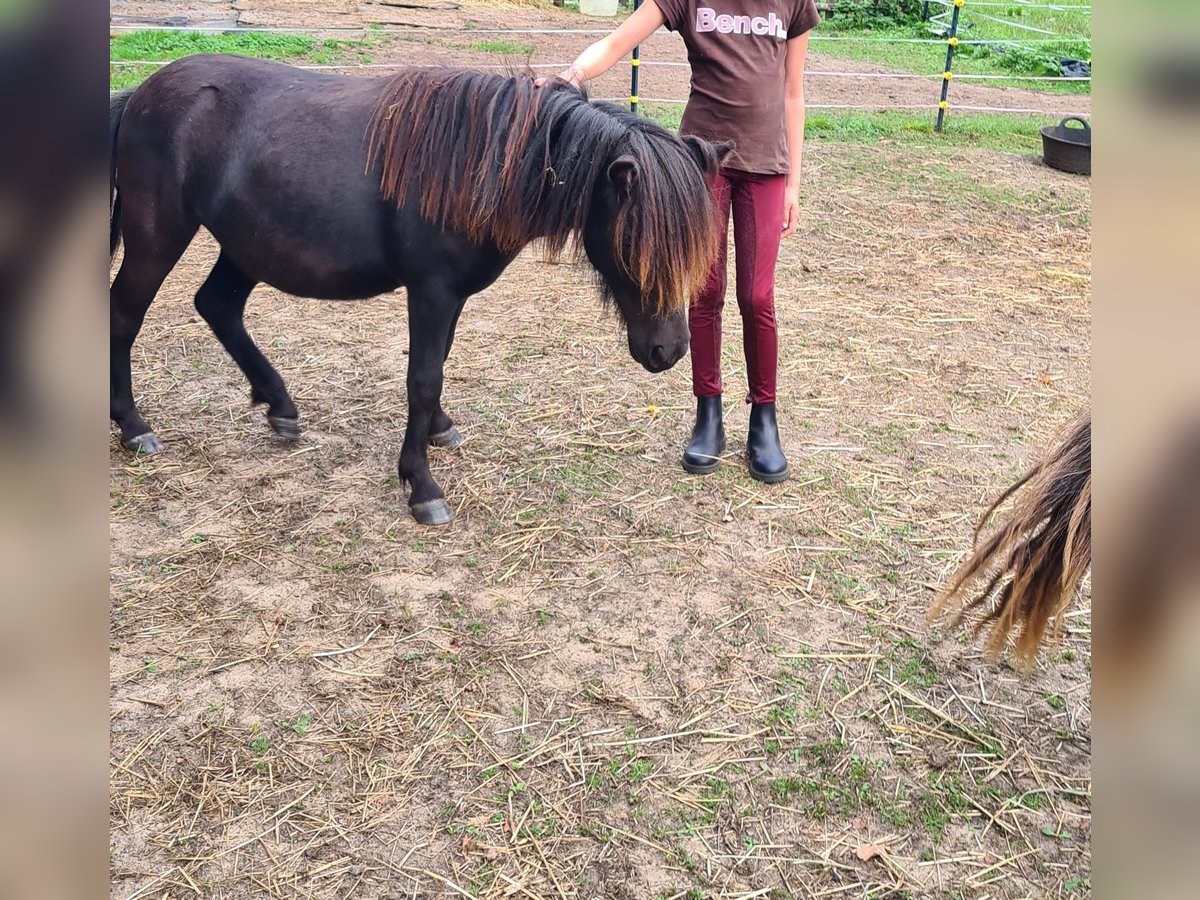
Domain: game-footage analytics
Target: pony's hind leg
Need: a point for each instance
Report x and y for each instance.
(143, 270)
(221, 301)
(442, 432)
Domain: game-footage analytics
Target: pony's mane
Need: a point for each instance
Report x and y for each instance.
(501, 160)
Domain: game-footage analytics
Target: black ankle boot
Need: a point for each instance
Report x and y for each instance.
(708, 438)
(763, 453)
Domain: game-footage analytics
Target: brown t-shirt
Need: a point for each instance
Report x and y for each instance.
(737, 50)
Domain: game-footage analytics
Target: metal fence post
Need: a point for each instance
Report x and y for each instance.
(947, 74)
(635, 63)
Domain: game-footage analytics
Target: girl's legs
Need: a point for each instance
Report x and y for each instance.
(704, 315)
(758, 206)
(702, 455)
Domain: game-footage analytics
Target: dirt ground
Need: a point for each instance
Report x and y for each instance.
(441, 36)
(607, 678)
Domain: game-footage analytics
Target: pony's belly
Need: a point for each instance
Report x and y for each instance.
(311, 271)
(339, 286)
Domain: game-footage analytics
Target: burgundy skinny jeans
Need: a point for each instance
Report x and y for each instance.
(757, 202)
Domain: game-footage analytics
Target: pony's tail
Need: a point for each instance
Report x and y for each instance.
(116, 110)
(1032, 565)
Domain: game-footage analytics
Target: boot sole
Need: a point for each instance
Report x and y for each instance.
(770, 477)
(704, 468)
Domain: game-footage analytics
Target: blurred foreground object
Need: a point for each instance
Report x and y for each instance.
(1152, 571)
(51, 96)
(53, 541)
(1032, 565)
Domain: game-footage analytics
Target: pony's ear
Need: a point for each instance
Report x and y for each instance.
(724, 150)
(710, 156)
(623, 171)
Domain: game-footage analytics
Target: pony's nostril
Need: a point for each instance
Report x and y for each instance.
(658, 355)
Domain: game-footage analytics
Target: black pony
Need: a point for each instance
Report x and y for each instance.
(343, 188)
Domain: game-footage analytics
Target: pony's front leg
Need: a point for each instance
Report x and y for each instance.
(430, 319)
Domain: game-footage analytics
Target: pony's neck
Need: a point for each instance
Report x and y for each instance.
(493, 158)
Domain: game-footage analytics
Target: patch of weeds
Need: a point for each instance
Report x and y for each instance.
(933, 817)
(941, 803)
(781, 715)
(783, 788)
(300, 726)
(886, 438)
(1030, 801)
(513, 791)
(834, 793)
(912, 664)
(894, 815)
(827, 753)
(1063, 835)
(639, 770)
(716, 791)
(259, 746)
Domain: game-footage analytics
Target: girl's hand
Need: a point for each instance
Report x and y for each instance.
(604, 54)
(572, 75)
(791, 212)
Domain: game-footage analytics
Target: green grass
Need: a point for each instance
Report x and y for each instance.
(300, 726)
(174, 44)
(950, 180)
(1037, 55)
(165, 46)
(505, 48)
(1009, 133)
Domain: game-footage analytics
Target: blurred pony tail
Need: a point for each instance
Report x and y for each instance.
(1031, 567)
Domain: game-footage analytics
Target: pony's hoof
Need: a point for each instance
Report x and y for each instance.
(450, 439)
(288, 429)
(144, 444)
(433, 512)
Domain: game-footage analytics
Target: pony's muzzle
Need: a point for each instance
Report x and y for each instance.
(663, 358)
(658, 343)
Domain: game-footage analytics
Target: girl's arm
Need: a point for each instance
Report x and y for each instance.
(797, 50)
(608, 51)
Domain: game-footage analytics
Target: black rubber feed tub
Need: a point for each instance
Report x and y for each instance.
(1068, 149)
